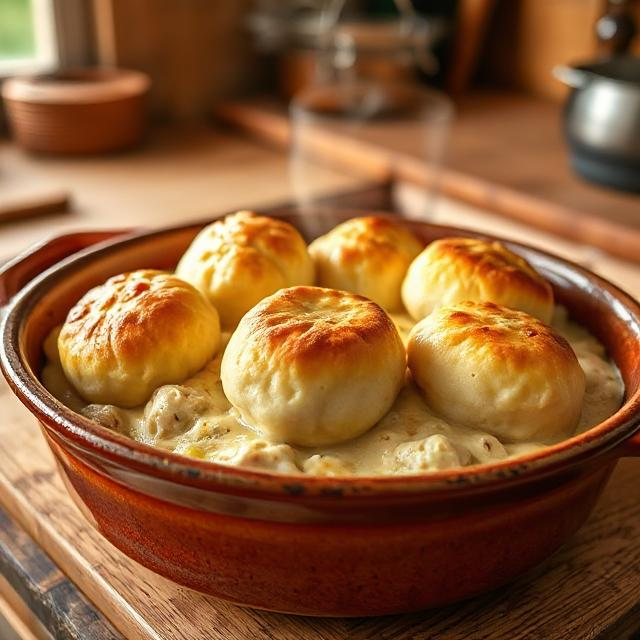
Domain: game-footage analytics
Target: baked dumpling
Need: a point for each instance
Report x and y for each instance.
(311, 366)
(238, 261)
(451, 270)
(134, 333)
(497, 370)
(368, 256)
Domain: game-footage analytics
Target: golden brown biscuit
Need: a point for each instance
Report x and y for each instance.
(238, 261)
(451, 270)
(135, 332)
(498, 370)
(368, 256)
(313, 366)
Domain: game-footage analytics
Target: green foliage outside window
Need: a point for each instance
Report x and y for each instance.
(16, 29)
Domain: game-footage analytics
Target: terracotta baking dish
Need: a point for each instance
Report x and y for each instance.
(322, 546)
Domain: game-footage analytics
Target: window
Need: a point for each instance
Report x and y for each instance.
(40, 35)
(27, 36)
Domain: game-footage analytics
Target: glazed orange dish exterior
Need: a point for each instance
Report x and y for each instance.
(364, 353)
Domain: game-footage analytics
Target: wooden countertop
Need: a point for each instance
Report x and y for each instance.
(589, 589)
(187, 173)
(180, 174)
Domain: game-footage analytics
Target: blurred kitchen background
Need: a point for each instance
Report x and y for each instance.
(518, 117)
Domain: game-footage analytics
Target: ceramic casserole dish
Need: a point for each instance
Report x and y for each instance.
(303, 544)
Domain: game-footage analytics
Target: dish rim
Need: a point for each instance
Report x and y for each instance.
(84, 434)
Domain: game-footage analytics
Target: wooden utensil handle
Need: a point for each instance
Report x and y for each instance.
(15, 273)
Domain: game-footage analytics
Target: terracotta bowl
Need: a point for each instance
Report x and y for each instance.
(310, 545)
(82, 111)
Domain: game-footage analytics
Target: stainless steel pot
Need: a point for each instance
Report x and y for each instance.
(602, 120)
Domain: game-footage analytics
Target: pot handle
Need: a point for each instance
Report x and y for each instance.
(570, 76)
(15, 273)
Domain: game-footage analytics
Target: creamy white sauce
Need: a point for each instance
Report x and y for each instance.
(195, 419)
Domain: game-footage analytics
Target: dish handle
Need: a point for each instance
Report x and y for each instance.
(630, 448)
(15, 273)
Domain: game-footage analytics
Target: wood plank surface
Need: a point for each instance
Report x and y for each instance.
(528, 38)
(40, 595)
(181, 173)
(194, 52)
(17, 622)
(506, 154)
